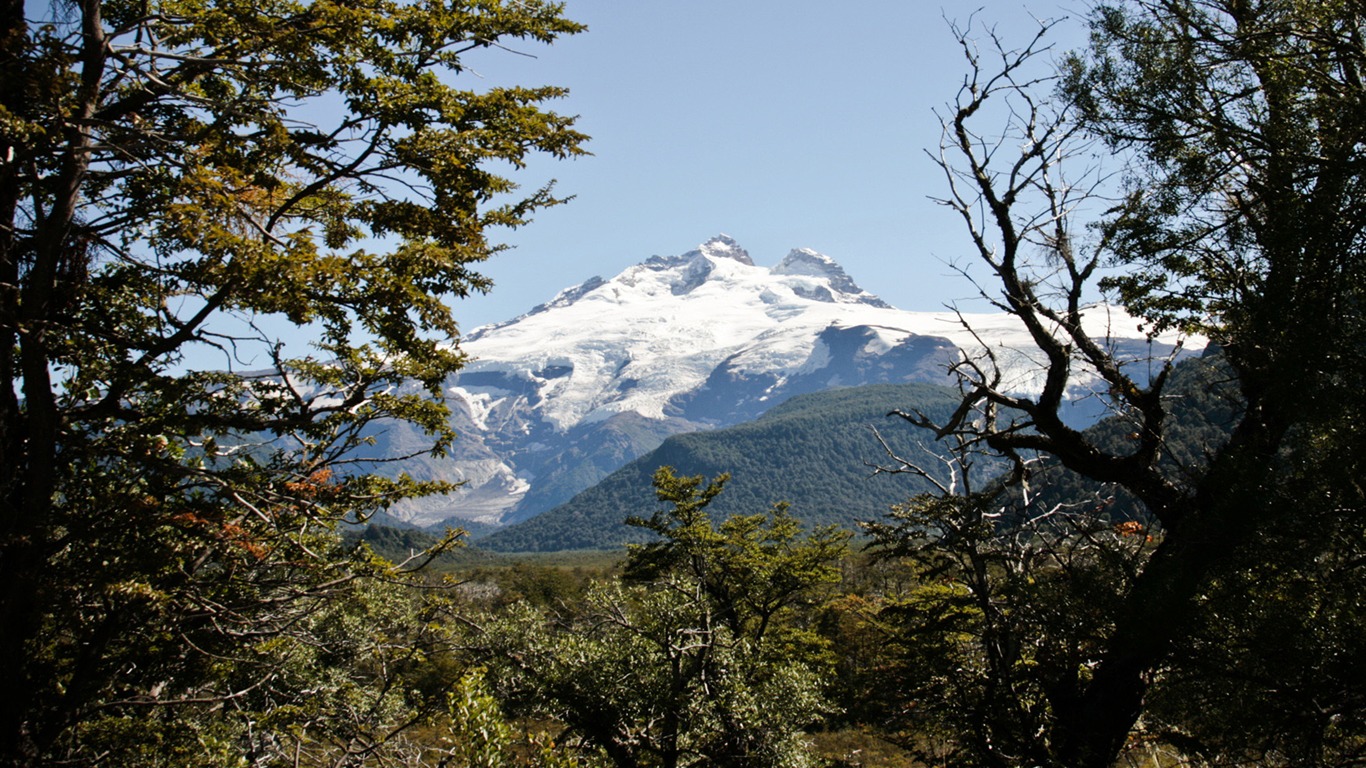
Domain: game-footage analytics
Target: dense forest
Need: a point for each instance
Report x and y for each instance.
(819, 452)
(183, 579)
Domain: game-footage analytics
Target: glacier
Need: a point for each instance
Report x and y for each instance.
(559, 397)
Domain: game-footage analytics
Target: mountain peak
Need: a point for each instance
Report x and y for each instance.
(723, 246)
(809, 263)
(554, 399)
(805, 261)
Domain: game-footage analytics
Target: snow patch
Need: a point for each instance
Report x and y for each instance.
(884, 340)
(481, 402)
(637, 344)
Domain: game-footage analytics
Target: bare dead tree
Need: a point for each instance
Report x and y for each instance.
(1021, 190)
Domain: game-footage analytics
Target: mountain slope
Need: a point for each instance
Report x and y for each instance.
(814, 451)
(556, 399)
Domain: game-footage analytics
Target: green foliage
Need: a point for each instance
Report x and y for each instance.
(753, 568)
(1237, 126)
(646, 678)
(540, 584)
(480, 737)
(1009, 608)
(1248, 122)
(407, 548)
(814, 450)
(1271, 674)
(176, 178)
(1243, 223)
(352, 676)
(997, 639)
(700, 658)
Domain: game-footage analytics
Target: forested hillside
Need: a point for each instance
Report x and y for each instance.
(820, 453)
(817, 452)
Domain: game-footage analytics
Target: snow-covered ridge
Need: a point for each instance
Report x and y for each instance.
(660, 328)
(722, 246)
(705, 338)
(804, 261)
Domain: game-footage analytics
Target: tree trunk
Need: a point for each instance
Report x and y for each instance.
(1226, 512)
(18, 617)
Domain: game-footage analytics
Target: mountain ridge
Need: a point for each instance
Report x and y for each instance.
(816, 451)
(556, 398)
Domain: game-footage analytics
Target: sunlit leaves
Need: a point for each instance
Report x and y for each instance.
(701, 656)
(185, 177)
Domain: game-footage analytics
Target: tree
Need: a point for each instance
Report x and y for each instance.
(697, 657)
(174, 177)
(752, 568)
(1238, 126)
(1015, 593)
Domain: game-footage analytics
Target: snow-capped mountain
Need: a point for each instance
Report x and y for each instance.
(558, 398)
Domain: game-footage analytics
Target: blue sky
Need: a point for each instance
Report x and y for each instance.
(784, 123)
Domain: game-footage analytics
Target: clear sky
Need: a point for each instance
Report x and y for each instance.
(784, 123)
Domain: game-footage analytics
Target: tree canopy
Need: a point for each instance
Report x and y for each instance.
(1235, 212)
(175, 177)
(700, 655)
